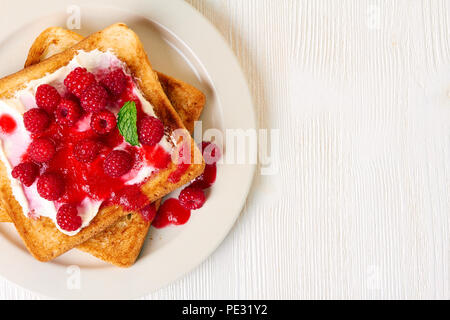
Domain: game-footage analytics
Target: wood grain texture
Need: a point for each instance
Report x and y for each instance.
(360, 207)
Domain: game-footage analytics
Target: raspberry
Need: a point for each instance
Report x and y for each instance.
(86, 150)
(103, 122)
(78, 80)
(26, 172)
(150, 130)
(211, 152)
(115, 82)
(137, 155)
(148, 212)
(47, 97)
(207, 178)
(171, 212)
(68, 112)
(50, 186)
(192, 198)
(68, 218)
(94, 98)
(36, 120)
(131, 198)
(117, 163)
(41, 150)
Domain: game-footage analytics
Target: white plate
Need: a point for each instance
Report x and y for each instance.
(181, 43)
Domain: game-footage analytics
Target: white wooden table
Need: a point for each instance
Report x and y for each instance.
(360, 208)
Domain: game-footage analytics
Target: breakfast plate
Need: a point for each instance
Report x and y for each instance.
(180, 43)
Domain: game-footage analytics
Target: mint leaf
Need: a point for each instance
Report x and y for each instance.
(126, 123)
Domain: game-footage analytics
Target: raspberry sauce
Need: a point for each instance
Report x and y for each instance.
(175, 176)
(176, 212)
(171, 212)
(7, 124)
(88, 179)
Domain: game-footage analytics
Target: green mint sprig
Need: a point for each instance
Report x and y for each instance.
(126, 123)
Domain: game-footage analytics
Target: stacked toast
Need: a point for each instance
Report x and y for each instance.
(115, 235)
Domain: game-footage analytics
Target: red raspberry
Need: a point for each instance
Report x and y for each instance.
(41, 150)
(86, 150)
(50, 186)
(78, 80)
(192, 198)
(68, 112)
(150, 130)
(36, 120)
(26, 172)
(103, 122)
(68, 218)
(211, 152)
(148, 212)
(131, 198)
(47, 97)
(94, 98)
(117, 163)
(137, 154)
(207, 178)
(115, 82)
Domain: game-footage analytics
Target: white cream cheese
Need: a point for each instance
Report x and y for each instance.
(14, 145)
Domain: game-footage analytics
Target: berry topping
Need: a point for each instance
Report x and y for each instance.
(41, 150)
(7, 124)
(68, 112)
(131, 198)
(192, 198)
(150, 130)
(157, 157)
(117, 163)
(26, 172)
(94, 98)
(78, 80)
(86, 150)
(103, 122)
(176, 175)
(47, 97)
(36, 120)
(115, 82)
(211, 152)
(171, 212)
(68, 218)
(207, 178)
(50, 186)
(148, 212)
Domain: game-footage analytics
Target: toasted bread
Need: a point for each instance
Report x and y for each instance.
(4, 215)
(41, 237)
(121, 243)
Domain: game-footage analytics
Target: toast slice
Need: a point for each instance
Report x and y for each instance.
(121, 243)
(41, 236)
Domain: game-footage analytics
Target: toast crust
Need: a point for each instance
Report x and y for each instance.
(41, 236)
(51, 41)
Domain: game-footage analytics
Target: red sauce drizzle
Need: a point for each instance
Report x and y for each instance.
(7, 124)
(171, 212)
(88, 179)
